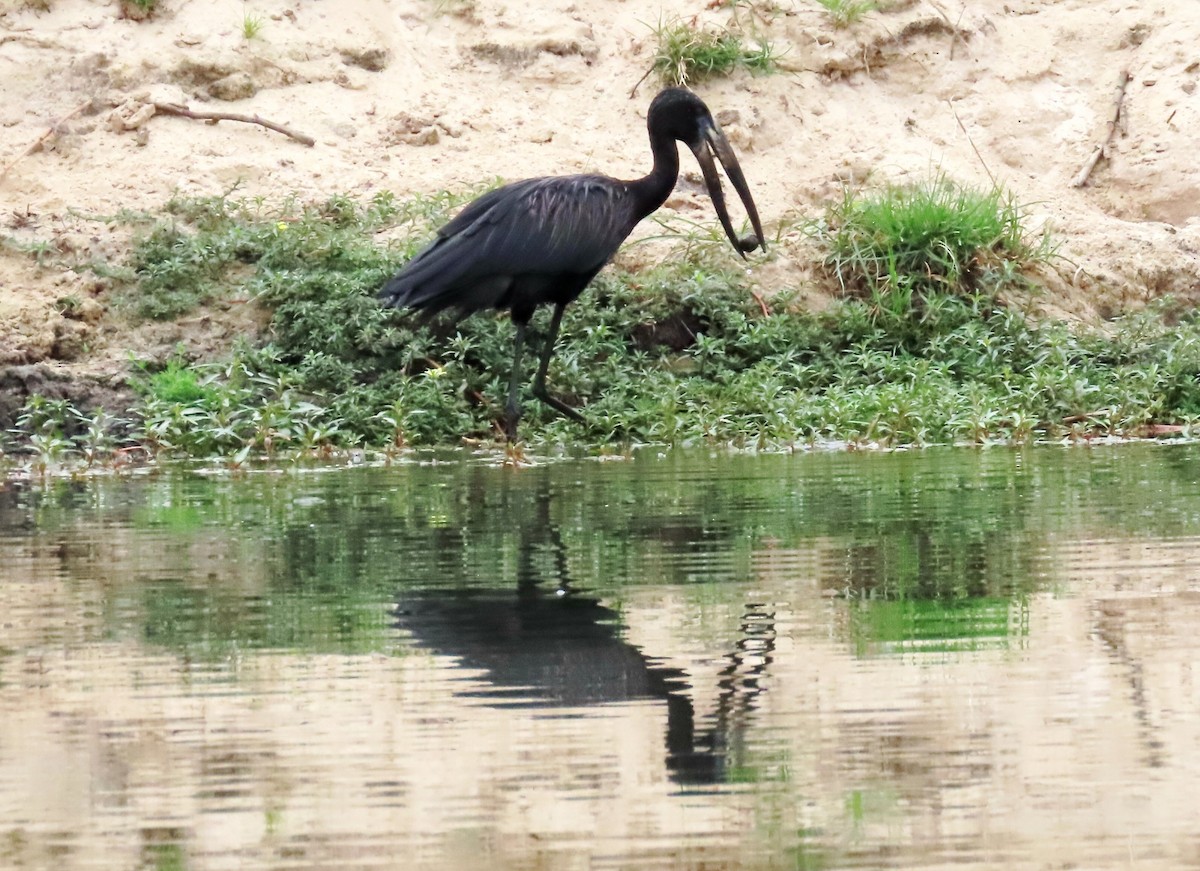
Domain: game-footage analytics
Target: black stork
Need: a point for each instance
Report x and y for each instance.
(542, 240)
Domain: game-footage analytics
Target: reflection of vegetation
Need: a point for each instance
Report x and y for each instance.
(809, 856)
(930, 550)
(164, 848)
(931, 627)
(214, 623)
(166, 857)
(176, 518)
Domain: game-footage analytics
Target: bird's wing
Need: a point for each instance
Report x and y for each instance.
(567, 225)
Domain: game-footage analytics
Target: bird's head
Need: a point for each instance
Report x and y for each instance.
(680, 114)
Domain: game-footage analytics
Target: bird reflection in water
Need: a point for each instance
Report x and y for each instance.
(544, 643)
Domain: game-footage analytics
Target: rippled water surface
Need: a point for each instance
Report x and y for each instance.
(914, 660)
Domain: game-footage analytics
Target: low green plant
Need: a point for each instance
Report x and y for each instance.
(98, 440)
(843, 13)
(921, 350)
(41, 251)
(44, 420)
(218, 247)
(177, 382)
(686, 54)
(917, 239)
(53, 435)
(140, 8)
(251, 25)
(227, 410)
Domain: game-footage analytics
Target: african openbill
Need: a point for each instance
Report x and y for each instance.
(543, 239)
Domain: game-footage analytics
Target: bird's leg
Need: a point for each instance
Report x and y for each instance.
(512, 409)
(539, 381)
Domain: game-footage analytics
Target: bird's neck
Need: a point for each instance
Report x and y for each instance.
(652, 190)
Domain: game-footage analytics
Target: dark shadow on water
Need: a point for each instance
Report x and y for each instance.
(560, 649)
(541, 642)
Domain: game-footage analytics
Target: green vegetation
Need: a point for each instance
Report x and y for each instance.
(686, 55)
(843, 13)
(926, 347)
(904, 246)
(139, 9)
(167, 856)
(53, 433)
(211, 245)
(251, 25)
(929, 237)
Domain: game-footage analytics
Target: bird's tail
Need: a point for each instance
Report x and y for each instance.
(423, 281)
(395, 293)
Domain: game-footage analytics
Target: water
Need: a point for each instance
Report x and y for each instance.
(912, 660)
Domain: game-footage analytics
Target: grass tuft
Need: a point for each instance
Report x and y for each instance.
(843, 13)
(139, 9)
(252, 25)
(927, 237)
(686, 55)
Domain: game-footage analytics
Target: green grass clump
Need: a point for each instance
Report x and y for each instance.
(252, 25)
(843, 13)
(686, 55)
(178, 382)
(929, 237)
(139, 9)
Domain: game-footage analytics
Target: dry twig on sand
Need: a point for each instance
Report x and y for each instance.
(955, 31)
(185, 112)
(29, 39)
(762, 303)
(50, 131)
(1102, 149)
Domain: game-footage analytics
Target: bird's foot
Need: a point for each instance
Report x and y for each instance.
(514, 455)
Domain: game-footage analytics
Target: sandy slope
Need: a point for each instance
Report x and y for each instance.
(419, 95)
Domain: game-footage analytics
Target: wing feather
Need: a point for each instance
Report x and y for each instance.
(544, 227)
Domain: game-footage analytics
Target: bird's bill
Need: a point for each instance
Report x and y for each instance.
(715, 140)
